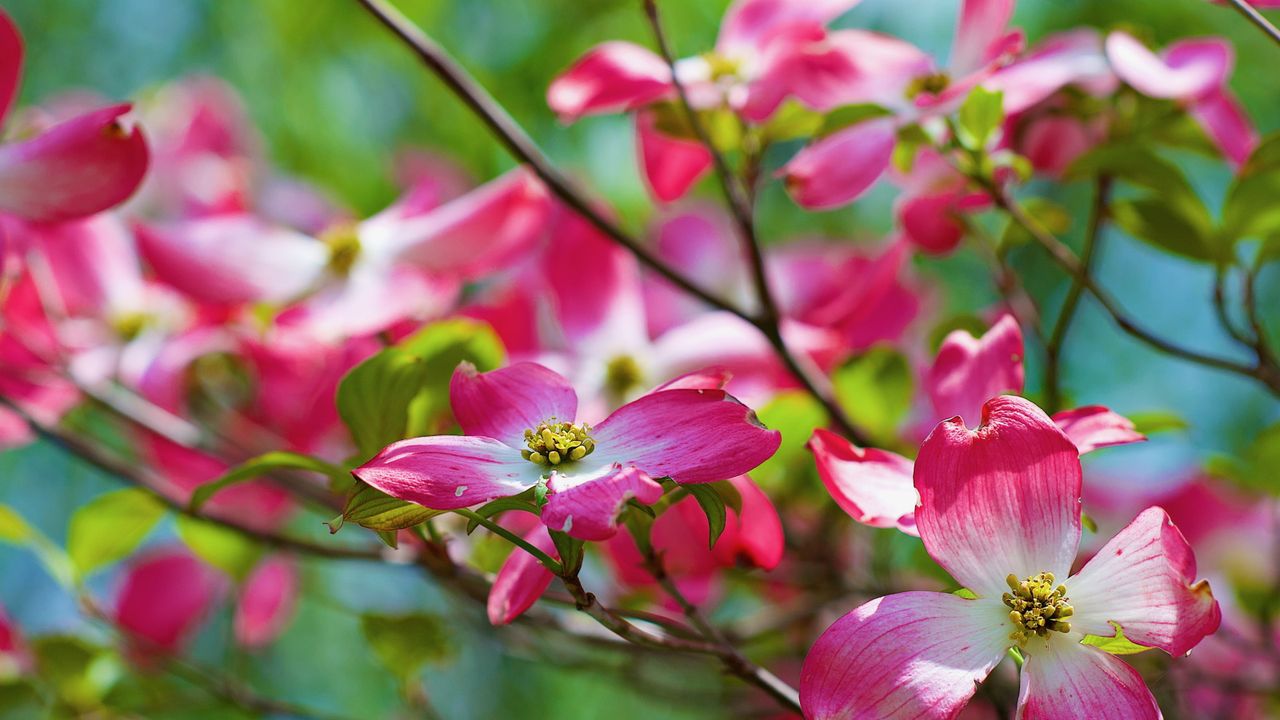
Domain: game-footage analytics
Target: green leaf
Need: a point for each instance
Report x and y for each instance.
(406, 643)
(110, 526)
(1117, 645)
(1155, 421)
(1255, 468)
(965, 593)
(1251, 209)
(1135, 164)
(370, 507)
(13, 528)
(442, 346)
(979, 118)
(712, 504)
(911, 138)
(78, 673)
(1166, 224)
(849, 115)
(221, 547)
(569, 549)
(875, 390)
(256, 467)
(373, 399)
(729, 494)
(791, 121)
(1088, 523)
(795, 414)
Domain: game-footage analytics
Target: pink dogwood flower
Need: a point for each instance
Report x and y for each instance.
(521, 431)
(1194, 72)
(767, 51)
(74, 169)
(163, 598)
(1000, 511)
(267, 602)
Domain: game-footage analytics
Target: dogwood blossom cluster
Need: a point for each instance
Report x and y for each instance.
(478, 354)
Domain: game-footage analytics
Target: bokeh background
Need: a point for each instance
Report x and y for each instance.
(335, 98)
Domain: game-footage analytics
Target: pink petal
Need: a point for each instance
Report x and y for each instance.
(801, 63)
(163, 597)
(468, 236)
(908, 656)
(94, 265)
(14, 431)
(982, 24)
(446, 472)
(1144, 578)
(840, 167)
(372, 299)
(1003, 499)
(1052, 143)
(748, 25)
(612, 77)
(670, 165)
(502, 404)
(1227, 123)
(690, 436)
(1067, 681)
(75, 169)
(968, 371)
(232, 259)
(588, 509)
(932, 222)
(11, 52)
(1093, 426)
(754, 535)
(714, 378)
(521, 581)
(267, 602)
(701, 244)
(1188, 70)
(1075, 57)
(873, 486)
(15, 658)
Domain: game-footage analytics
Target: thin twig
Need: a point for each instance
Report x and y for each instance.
(1255, 17)
(1220, 308)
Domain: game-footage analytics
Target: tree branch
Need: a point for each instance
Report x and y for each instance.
(1252, 15)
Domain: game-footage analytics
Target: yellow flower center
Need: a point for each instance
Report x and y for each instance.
(130, 325)
(1036, 607)
(344, 247)
(721, 66)
(932, 83)
(621, 374)
(553, 443)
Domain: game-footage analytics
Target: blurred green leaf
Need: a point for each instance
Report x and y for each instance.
(1255, 467)
(792, 121)
(972, 324)
(370, 507)
(406, 643)
(795, 414)
(911, 138)
(110, 526)
(373, 399)
(875, 390)
(979, 118)
(712, 504)
(442, 346)
(12, 527)
(1165, 224)
(256, 467)
(848, 116)
(1155, 421)
(78, 673)
(221, 547)
(1251, 209)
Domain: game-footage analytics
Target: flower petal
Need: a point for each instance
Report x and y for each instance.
(612, 77)
(503, 403)
(1187, 70)
(908, 656)
(1144, 579)
(1094, 426)
(1067, 681)
(588, 509)
(75, 169)
(929, 220)
(447, 472)
(11, 52)
(232, 259)
(1074, 57)
(982, 25)
(968, 371)
(690, 436)
(671, 164)
(754, 535)
(521, 581)
(873, 486)
(840, 167)
(162, 599)
(1002, 499)
(1227, 124)
(748, 25)
(267, 601)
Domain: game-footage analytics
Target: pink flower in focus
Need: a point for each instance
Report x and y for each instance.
(1000, 511)
(520, 431)
(72, 170)
(267, 601)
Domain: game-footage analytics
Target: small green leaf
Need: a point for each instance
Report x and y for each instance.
(406, 643)
(13, 528)
(979, 118)
(110, 526)
(79, 674)
(569, 549)
(795, 414)
(221, 547)
(966, 593)
(256, 467)
(911, 138)
(713, 505)
(791, 121)
(1088, 523)
(849, 115)
(1156, 421)
(1251, 209)
(373, 399)
(371, 508)
(875, 390)
(1167, 225)
(1117, 645)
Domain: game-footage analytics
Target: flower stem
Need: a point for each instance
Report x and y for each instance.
(547, 561)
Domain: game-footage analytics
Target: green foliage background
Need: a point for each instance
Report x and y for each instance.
(335, 97)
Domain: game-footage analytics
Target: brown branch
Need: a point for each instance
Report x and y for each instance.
(1255, 17)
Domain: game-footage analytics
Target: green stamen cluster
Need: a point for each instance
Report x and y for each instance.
(344, 247)
(622, 374)
(933, 84)
(552, 443)
(1036, 607)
